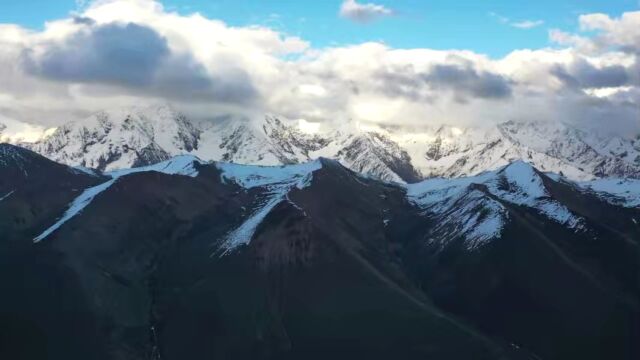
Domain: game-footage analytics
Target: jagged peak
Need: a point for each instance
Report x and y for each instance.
(522, 179)
(151, 114)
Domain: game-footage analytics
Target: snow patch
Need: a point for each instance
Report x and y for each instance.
(277, 181)
(7, 195)
(180, 165)
(249, 176)
(76, 207)
(85, 170)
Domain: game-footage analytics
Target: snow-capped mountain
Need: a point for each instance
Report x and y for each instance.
(141, 136)
(555, 147)
(472, 207)
(120, 139)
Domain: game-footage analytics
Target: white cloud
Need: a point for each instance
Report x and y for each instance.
(522, 24)
(527, 24)
(363, 13)
(206, 67)
(622, 32)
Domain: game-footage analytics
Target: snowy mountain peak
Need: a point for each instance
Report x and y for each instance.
(523, 178)
(121, 138)
(140, 136)
(475, 206)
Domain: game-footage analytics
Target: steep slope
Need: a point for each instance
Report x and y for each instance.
(518, 253)
(34, 189)
(142, 266)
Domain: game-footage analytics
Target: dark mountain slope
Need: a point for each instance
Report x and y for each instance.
(578, 287)
(186, 260)
(138, 260)
(34, 190)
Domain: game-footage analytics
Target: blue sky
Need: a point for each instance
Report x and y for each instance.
(462, 24)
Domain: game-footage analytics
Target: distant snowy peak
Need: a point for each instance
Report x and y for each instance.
(121, 139)
(134, 137)
(549, 146)
(590, 152)
(267, 141)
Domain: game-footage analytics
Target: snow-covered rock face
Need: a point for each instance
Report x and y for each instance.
(142, 136)
(521, 184)
(554, 147)
(472, 208)
(459, 210)
(121, 139)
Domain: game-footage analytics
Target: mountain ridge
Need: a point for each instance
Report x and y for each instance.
(131, 137)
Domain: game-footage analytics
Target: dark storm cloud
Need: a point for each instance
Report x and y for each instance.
(582, 74)
(463, 81)
(138, 60)
(125, 54)
(83, 20)
(617, 114)
(466, 81)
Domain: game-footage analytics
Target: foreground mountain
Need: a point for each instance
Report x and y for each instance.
(186, 259)
(142, 136)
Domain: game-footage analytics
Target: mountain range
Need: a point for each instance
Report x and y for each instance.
(131, 137)
(183, 258)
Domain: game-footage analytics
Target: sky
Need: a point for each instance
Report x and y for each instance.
(484, 26)
(402, 62)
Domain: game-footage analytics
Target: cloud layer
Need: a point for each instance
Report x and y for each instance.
(124, 52)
